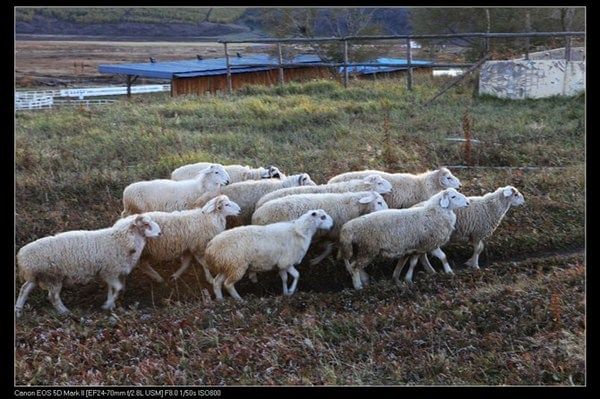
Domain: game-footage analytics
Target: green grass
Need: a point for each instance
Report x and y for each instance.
(490, 327)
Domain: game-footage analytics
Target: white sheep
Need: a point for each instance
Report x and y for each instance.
(237, 173)
(262, 248)
(479, 221)
(247, 193)
(400, 233)
(342, 207)
(185, 235)
(76, 257)
(169, 195)
(368, 183)
(407, 188)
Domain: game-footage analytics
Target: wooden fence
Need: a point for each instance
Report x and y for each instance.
(485, 36)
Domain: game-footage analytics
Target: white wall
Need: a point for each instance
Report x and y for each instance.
(517, 79)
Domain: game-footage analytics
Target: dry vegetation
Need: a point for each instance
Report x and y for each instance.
(519, 320)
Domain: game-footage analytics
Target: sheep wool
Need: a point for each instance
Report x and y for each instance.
(407, 189)
(169, 195)
(246, 194)
(282, 245)
(483, 216)
(397, 233)
(76, 257)
(370, 183)
(237, 173)
(185, 234)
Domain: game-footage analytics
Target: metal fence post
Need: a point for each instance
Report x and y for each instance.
(229, 85)
(409, 75)
(568, 48)
(280, 61)
(345, 63)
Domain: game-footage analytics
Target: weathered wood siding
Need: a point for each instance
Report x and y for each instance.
(212, 84)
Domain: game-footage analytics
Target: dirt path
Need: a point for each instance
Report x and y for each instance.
(54, 63)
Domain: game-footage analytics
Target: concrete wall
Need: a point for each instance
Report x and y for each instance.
(516, 79)
(577, 54)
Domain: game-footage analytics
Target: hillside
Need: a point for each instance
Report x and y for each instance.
(163, 23)
(518, 320)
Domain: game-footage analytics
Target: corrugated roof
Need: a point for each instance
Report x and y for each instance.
(216, 66)
(400, 62)
(190, 68)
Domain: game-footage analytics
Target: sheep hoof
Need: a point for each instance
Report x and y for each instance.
(107, 306)
(18, 313)
(174, 278)
(313, 262)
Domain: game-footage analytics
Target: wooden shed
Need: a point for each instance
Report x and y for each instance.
(210, 75)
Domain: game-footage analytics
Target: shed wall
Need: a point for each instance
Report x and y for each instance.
(202, 84)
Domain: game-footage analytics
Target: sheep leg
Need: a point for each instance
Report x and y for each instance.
(411, 267)
(426, 264)
(474, 260)
(364, 277)
(252, 277)
(186, 259)
(114, 286)
(349, 266)
(23, 294)
(438, 253)
(296, 275)
(217, 282)
(54, 298)
(398, 269)
(283, 275)
(146, 268)
(359, 265)
(323, 255)
(207, 275)
(229, 285)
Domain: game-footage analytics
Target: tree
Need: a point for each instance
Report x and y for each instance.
(500, 19)
(328, 22)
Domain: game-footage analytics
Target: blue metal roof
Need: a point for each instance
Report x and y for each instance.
(400, 62)
(191, 68)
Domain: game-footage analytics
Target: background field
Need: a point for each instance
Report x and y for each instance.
(519, 320)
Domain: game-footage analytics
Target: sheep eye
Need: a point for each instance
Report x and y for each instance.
(454, 196)
(314, 214)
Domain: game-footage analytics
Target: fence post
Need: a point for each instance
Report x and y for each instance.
(409, 75)
(128, 86)
(568, 48)
(229, 85)
(280, 61)
(345, 63)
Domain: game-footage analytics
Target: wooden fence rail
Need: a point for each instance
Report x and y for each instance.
(345, 65)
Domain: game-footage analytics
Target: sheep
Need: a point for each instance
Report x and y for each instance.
(408, 189)
(237, 173)
(369, 183)
(398, 233)
(185, 235)
(262, 248)
(76, 257)
(247, 193)
(168, 195)
(479, 221)
(342, 207)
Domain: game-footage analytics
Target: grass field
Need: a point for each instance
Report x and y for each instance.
(519, 320)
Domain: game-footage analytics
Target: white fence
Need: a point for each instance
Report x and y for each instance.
(41, 99)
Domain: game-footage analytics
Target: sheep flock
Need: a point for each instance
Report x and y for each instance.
(234, 221)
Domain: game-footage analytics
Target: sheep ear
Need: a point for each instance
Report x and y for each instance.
(444, 202)
(367, 198)
(507, 192)
(210, 206)
(300, 179)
